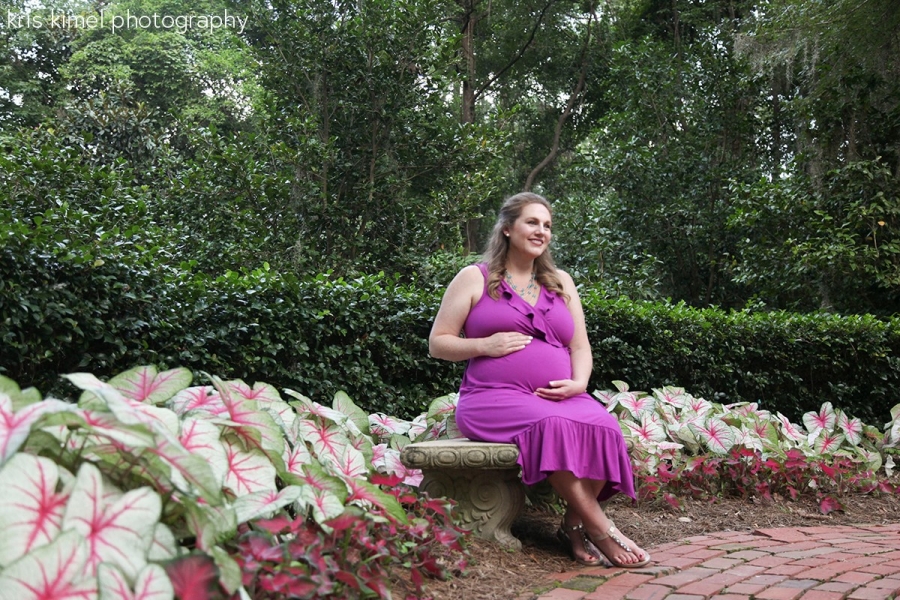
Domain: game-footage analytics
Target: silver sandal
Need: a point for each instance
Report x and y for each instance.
(562, 534)
(611, 533)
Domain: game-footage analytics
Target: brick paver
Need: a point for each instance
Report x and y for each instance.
(806, 563)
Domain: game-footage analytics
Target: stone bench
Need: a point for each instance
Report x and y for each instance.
(481, 477)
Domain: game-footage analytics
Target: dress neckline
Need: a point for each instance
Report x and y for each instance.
(537, 298)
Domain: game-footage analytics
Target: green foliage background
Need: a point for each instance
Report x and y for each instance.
(368, 336)
(286, 203)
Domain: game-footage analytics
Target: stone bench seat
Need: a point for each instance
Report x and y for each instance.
(481, 477)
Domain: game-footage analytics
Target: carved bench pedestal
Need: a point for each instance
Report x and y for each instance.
(482, 478)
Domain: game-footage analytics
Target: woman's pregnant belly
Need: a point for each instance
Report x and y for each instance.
(528, 369)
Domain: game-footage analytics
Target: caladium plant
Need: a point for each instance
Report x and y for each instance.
(118, 494)
(149, 487)
(683, 445)
(79, 539)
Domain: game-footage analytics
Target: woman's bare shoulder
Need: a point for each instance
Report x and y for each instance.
(568, 285)
(470, 278)
(564, 277)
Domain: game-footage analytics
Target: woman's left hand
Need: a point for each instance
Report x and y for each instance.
(560, 390)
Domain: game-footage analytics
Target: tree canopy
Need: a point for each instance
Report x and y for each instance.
(737, 153)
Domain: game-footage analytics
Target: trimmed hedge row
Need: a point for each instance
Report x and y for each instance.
(787, 362)
(368, 337)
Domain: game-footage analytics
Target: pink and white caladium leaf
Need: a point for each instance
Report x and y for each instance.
(295, 458)
(268, 399)
(607, 397)
(201, 437)
(317, 477)
(647, 432)
(323, 504)
(378, 453)
(716, 435)
(363, 444)
(264, 504)
(698, 406)
(825, 419)
(104, 425)
(20, 398)
(765, 430)
(31, 508)
(345, 405)
(687, 436)
(261, 392)
(620, 385)
(747, 438)
(645, 462)
(200, 398)
(365, 494)
(145, 384)
(350, 465)
(328, 441)
(151, 583)
(636, 403)
(209, 524)
(316, 411)
(852, 428)
(119, 532)
(668, 450)
(789, 430)
(89, 383)
(435, 431)
(827, 442)
(163, 547)
(891, 438)
(99, 395)
(451, 429)
(55, 571)
(253, 426)
(749, 409)
(441, 407)
(282, 413)
(189, 472)
(248, 470)
(383, 426)
(674, 396)
(398, 441)
(387, 460)
(16, 425)
(417, 427)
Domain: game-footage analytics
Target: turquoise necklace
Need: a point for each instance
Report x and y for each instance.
(528, 293)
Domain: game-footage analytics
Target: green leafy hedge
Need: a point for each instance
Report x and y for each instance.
(787, 361)
(368, 336)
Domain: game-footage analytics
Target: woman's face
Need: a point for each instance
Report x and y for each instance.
(530, 233)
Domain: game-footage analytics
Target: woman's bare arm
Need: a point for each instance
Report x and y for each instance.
(445, 342)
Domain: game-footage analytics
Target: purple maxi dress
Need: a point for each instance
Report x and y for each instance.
(497, 402)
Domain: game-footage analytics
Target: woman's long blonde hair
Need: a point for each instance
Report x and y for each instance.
(498, 247)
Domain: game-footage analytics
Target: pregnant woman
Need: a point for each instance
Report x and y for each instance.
(524, 337)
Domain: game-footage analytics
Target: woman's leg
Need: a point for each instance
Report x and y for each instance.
(581, 502)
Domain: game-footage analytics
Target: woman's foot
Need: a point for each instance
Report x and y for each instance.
(574, 539)
(618, 549)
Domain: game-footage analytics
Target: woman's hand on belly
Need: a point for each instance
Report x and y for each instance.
(503, 343)
(560, 390)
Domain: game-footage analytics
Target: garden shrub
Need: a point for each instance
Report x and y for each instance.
(787, 362)
(83, 309)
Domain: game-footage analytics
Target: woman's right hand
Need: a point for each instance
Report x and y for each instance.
(503, 343)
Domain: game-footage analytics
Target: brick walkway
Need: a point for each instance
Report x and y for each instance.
(809, 563)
